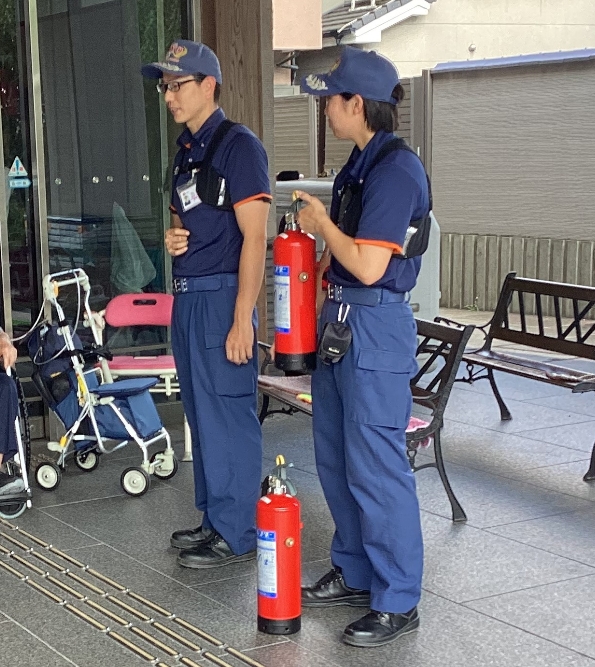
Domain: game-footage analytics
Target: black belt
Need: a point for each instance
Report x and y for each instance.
(204, 283)
(364, 296)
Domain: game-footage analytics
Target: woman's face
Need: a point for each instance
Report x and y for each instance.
(338, 110)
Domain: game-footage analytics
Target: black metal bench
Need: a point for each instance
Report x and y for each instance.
(439, 354)
(521, 318)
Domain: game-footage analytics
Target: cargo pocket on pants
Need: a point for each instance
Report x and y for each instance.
(227, 379)
(381, 393)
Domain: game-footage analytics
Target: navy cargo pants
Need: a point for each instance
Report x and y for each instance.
(219, 399)
(361, 408)
(9, 403)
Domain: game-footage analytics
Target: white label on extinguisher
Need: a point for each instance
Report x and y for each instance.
(266, 549)
(282, 308)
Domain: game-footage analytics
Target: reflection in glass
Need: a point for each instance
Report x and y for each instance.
(19, 209)
(106, 138)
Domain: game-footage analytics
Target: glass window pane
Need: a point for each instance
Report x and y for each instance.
(107, 141)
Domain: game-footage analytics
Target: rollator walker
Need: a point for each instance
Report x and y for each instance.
(77, 385)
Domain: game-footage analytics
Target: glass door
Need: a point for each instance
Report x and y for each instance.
(20, 282)
(108, 142)
(85, 145)
(106, 139)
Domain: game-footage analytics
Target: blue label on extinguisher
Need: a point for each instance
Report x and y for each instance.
(282, 300)
(266, 560)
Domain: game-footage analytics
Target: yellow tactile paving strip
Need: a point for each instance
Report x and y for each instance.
(89, 594)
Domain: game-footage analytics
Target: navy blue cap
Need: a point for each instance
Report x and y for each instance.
(364, 73)
(185, 57)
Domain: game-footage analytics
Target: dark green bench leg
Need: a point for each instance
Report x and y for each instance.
(458, 514)
(590, 476)
(504, 411)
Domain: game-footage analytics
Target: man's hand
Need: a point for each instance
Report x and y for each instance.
(176, 241)
(240, 341)
(313, 217)
(8, 352)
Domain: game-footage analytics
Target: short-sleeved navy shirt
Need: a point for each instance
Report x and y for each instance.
(394, 193)
(215, 240)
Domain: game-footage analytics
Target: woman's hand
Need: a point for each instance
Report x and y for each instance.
(313, 217)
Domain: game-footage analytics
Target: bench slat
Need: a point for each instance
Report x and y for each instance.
(544, 342)
(558, 375)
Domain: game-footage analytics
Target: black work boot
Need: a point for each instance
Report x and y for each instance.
(212, 553)
(194, 537)
(378, 628)
(331, 591)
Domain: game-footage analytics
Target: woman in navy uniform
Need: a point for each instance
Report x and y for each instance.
(218, 241)
(362, 403)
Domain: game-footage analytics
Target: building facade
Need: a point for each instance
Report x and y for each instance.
(419, 34)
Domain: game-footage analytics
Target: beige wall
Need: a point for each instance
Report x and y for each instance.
(496, 28)
(282, 76)
(297, 25)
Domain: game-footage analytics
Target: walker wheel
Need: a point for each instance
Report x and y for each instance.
(12, 511)
(135, 481)
(87, 460)
(48, 476)
(160, 471)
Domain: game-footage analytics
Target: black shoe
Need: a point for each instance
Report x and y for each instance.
(188, 539)
(213, 553)
(378, 628)
(331, 591)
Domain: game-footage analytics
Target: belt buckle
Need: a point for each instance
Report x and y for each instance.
(335, 293)
(180, 285)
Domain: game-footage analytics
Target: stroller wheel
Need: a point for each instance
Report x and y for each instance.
(12, 511)
(163, 469)
(135, 481)
(87, 460)
(48, 476)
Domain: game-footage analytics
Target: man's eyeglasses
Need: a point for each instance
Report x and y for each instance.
(174, 86)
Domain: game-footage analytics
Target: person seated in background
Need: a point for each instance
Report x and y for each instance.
(9, 401)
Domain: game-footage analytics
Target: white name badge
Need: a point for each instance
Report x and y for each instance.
(188, 195)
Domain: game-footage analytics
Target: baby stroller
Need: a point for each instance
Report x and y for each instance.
(76, 383)
(15, 503)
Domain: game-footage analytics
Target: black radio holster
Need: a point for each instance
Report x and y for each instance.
(335, 339)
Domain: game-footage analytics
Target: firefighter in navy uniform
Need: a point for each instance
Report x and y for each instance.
(362, 403)
(220, 204)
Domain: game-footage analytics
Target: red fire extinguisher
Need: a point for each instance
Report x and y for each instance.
(278, 559)
(294, 257)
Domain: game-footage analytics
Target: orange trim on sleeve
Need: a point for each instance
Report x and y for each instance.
(262, 195)
(382, 244)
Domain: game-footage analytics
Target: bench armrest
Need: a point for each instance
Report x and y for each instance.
(268, 359)
(446, 320)
(483, 328)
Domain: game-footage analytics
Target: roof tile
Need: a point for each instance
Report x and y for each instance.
(342, 20)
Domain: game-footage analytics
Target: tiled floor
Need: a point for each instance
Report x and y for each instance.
(509, 588)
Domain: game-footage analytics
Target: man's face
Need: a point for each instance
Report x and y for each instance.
(191, 101)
